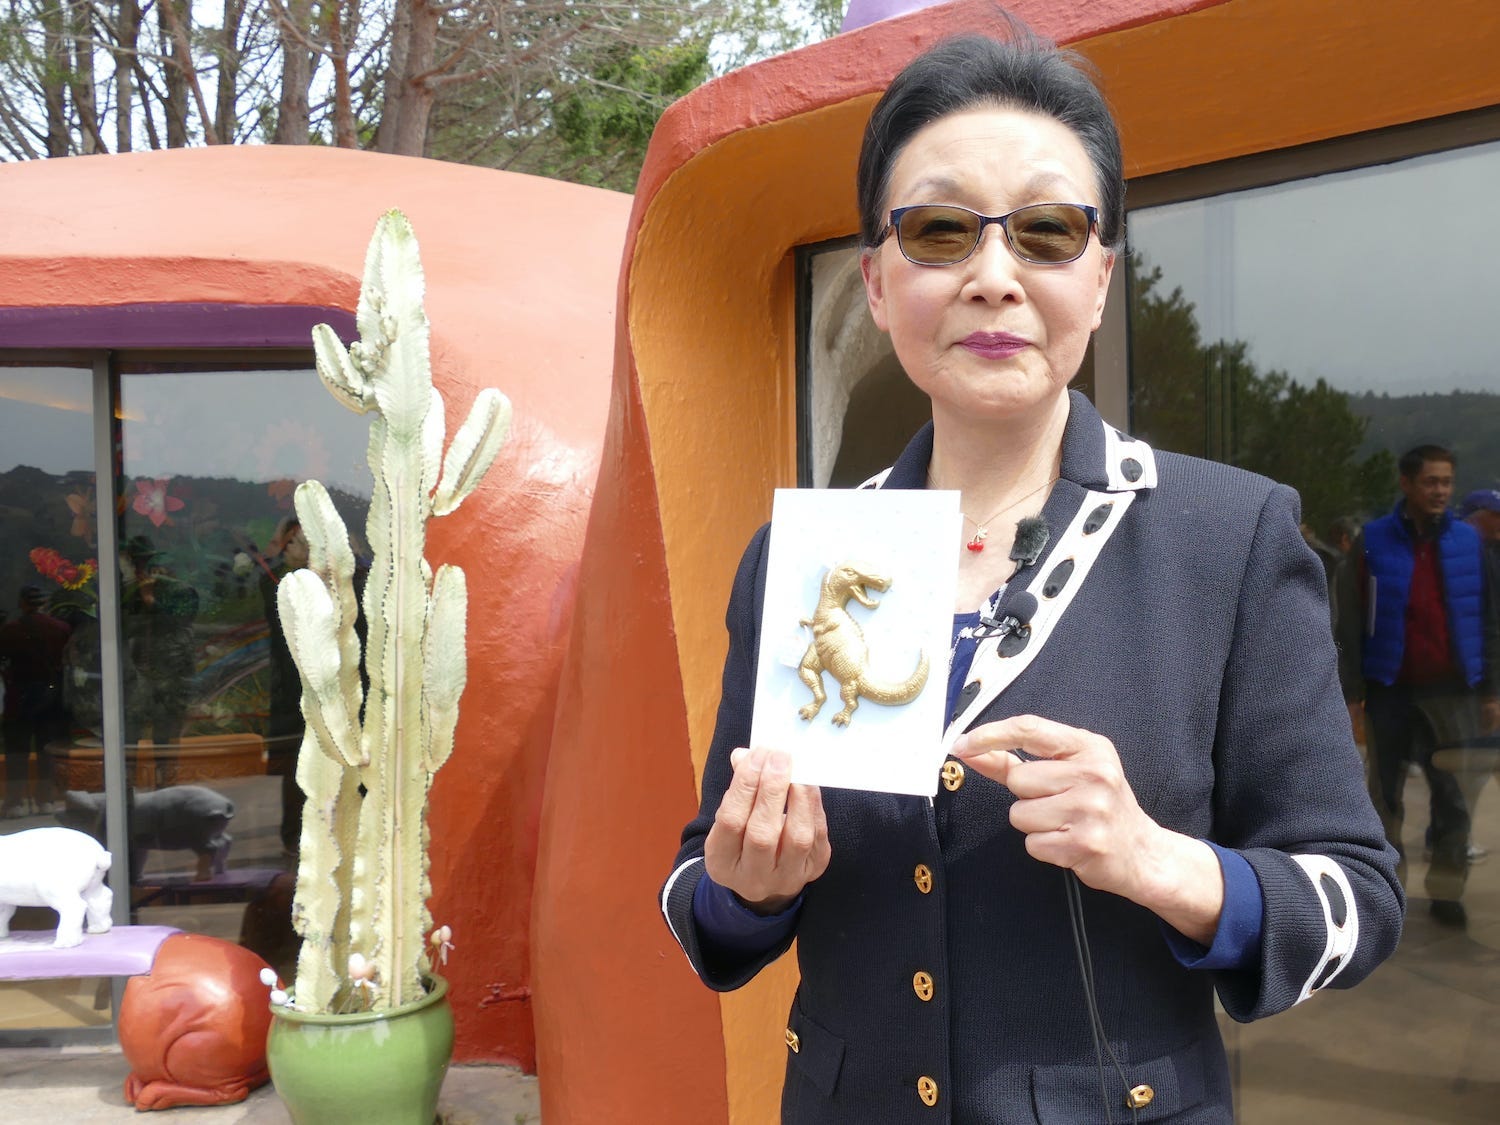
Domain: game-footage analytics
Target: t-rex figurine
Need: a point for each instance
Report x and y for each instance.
(838, 647)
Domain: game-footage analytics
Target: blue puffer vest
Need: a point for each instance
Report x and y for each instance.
(1389, 562)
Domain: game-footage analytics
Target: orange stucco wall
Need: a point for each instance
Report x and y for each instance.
(702, 430)
(508, 308)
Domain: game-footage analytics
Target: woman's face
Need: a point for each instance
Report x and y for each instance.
(991, 337)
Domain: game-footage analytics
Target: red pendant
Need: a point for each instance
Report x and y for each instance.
(977, 543)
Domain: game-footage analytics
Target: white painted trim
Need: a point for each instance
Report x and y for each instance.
(1340, 940)
(996, 672)
(1117, 448)
(666, 892)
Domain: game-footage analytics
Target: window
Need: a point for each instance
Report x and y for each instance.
(1314, 329)
(155, 637)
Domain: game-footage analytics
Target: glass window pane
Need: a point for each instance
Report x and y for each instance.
(1315, 331)
(209, 460)
(49, 650)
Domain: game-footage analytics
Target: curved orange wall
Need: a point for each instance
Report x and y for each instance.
(508, 309)
(702, 430)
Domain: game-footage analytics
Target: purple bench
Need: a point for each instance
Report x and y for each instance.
(125, 951)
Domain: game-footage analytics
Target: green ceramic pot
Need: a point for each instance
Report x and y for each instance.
(369, 1068)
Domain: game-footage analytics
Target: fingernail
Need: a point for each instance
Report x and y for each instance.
(779, 763)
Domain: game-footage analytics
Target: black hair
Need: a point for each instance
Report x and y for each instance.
(1412, 460)
(1023, 72)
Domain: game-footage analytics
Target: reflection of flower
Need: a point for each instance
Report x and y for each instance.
(292, 448)
(81, 504)
(153, 502)
(71, 576)
(290, 451)
(281, 491)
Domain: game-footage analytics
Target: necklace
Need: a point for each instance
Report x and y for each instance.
(982, 527)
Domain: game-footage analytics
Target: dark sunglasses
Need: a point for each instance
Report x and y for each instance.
(942, 234)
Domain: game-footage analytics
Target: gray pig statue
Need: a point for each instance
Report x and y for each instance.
(177, 818)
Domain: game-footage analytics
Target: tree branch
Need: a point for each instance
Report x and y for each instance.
(183, 61)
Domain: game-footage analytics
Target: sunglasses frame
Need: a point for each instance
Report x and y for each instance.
(1091, 212)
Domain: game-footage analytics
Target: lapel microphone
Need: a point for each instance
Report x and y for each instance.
(1019, 610)
(1032, 534)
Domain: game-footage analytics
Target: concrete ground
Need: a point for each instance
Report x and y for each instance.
(83, 1085)
(1416, 1044)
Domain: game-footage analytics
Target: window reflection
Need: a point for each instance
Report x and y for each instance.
(206, 460)
(209, 461)
(1319, 332)
(49, 653)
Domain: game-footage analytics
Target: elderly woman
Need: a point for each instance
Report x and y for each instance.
(1152, 793)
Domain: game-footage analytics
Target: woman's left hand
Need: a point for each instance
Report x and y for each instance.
(1078, 811)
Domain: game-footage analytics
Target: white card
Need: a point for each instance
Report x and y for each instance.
(905, 537)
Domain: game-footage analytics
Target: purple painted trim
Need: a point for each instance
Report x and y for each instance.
(205, 325)
(124, 951)
(862, 13)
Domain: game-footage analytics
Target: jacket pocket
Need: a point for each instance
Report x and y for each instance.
(818, 1054)
(1067, 1095)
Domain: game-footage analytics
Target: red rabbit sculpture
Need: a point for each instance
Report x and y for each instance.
(194, 1029)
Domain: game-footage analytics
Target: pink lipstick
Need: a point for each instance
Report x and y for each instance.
(994, 345)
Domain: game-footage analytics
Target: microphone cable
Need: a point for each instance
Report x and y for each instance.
(1074, 893)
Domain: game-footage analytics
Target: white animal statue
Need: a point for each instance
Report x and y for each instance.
(57, 868)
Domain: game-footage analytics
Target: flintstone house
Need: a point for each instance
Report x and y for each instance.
(1289, 161)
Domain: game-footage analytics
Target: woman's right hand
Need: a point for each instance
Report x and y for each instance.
(770, 837)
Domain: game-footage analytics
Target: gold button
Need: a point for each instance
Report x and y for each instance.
(922, 985)
(793, 1041)
(1140, 1096)
(923, 876)
(953, 775)
(927, 1090)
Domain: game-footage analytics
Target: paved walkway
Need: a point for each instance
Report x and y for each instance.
(83, 1085)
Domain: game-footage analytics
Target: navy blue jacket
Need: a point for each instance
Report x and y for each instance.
(1199, 644)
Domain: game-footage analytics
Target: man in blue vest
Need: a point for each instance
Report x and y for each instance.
(1422, 662)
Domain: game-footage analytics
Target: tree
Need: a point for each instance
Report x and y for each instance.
(568, 88)
(1210, 400)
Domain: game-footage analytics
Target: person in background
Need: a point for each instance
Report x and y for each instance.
(31, 661)
(284, 722)
(1416, 650)
(1480, 509)
(157, 614)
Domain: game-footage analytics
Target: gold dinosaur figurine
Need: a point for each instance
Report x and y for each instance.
(838, 647)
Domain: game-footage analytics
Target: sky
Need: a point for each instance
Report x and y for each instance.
(1382, 279)
(256, 426)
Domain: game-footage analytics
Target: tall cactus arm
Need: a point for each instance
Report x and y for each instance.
(308, 619)
(403, 328)
(320, 908)
(332, 560)
(370, 311)
(473, 450)
(434, 431)
(445, 667)
(337, 369)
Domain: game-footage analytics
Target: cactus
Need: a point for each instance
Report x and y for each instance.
(369, 754)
